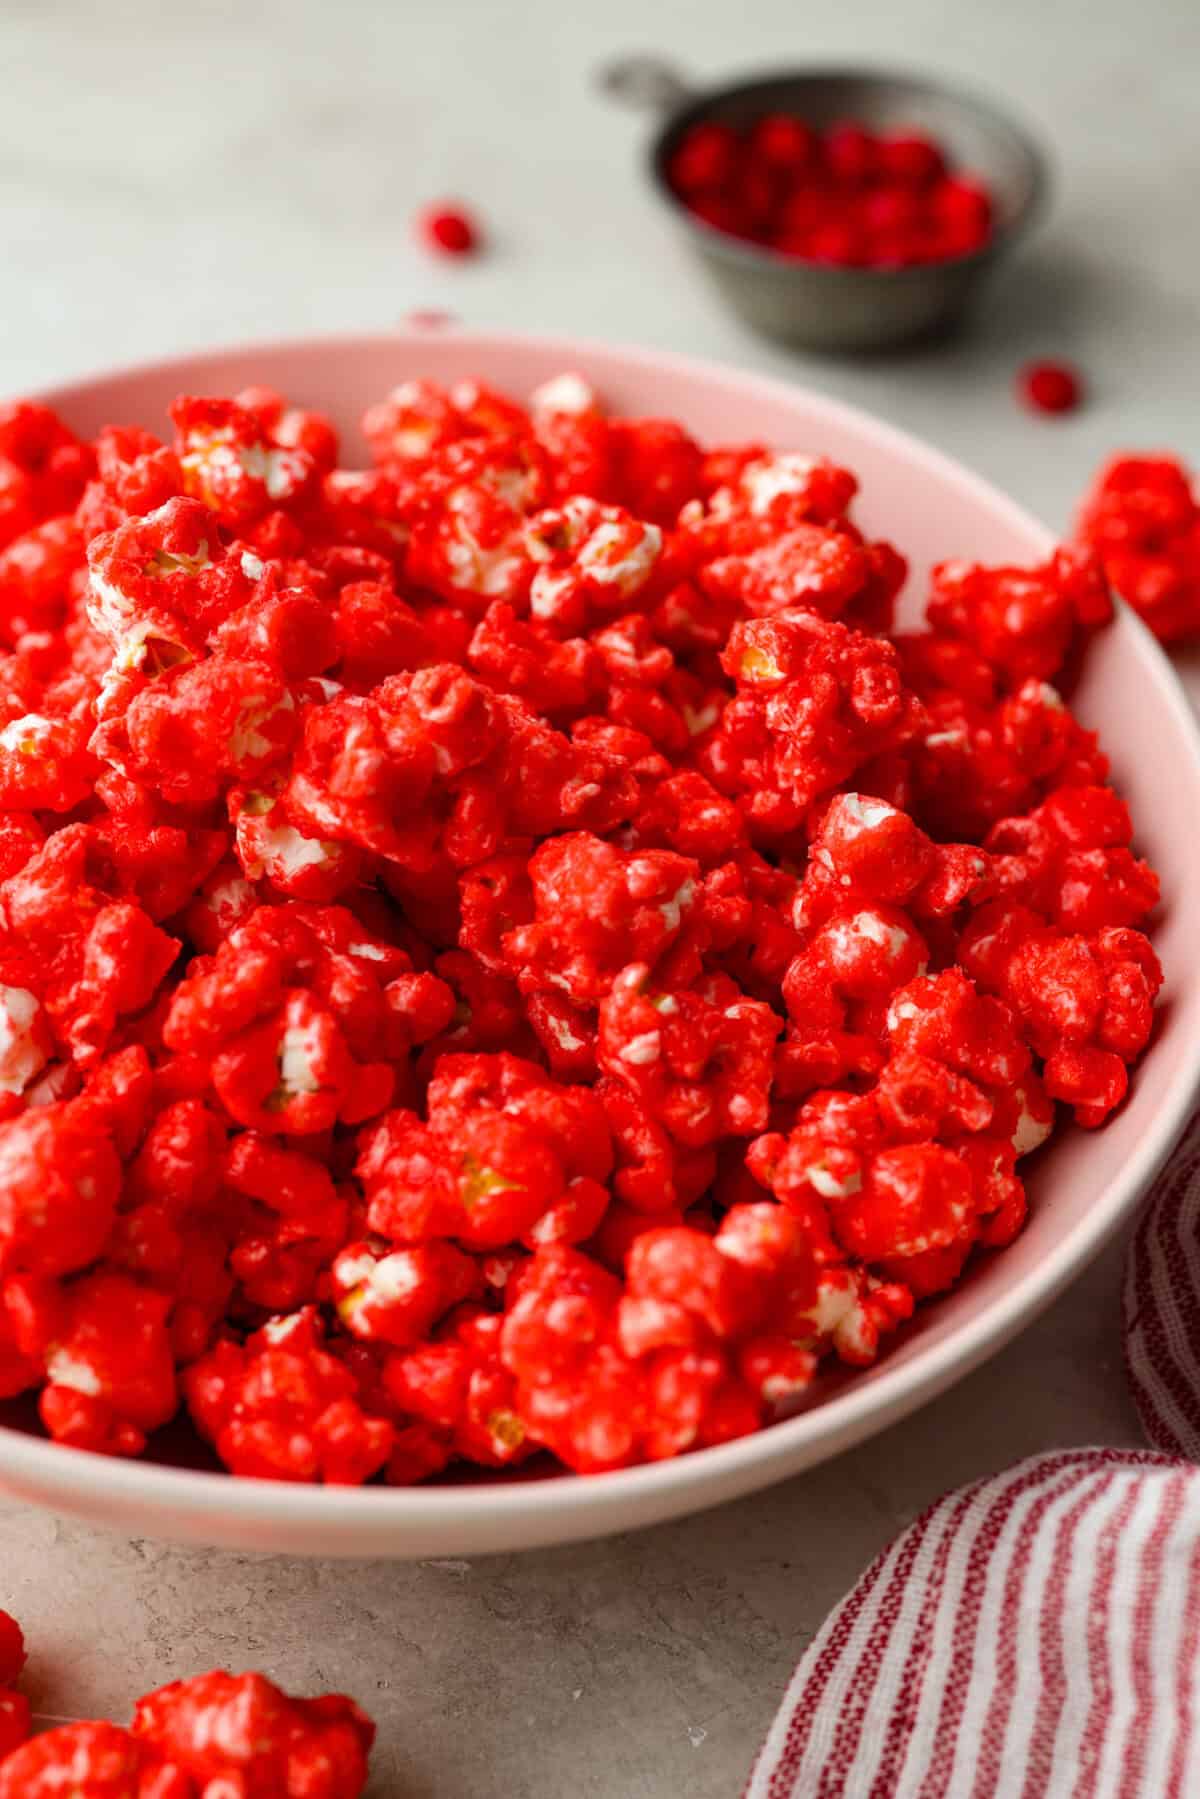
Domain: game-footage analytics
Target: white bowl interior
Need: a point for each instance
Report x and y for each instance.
(1083, 1184)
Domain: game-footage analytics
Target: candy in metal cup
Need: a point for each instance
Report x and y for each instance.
(821, 305)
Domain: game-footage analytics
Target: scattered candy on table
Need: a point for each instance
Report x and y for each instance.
(214, 1737)
(508, 949)
(1050, 386)
(842, 195)
(448, 229)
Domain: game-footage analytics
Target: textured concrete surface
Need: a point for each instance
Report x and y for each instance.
(173, 177)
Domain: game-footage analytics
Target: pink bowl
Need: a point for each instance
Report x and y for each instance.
(1083, 1185)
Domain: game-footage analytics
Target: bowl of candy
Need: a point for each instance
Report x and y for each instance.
(839, 209)
(580, 932)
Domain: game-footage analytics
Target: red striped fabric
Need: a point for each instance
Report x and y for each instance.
(1161, 1306)
(1034, 1635)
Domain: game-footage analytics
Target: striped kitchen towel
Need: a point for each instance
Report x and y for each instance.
(1033, 1636)
(1161, 1307)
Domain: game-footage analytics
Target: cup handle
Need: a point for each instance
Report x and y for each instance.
(648, 83)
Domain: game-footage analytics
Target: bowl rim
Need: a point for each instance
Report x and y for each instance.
(761, 257)
(847, 1416)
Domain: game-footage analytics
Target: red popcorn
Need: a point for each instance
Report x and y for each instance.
(656, 468)
(584, 1396)
(504, 952)
(282, 1408)
(1143, 521)
(752, 497)
(595, 910)
(1086, 1004)
(700, 1061)
(814, 701)
(16, 1723)
(864, 847)
(43, 467)
(218, 1731)
(860, 952)
(37, 576)
(592, 561)
(158, 583)
(297, 1222)
(101, 1761)
(506, 1154)
(59, 1182)
(467, 512)
(230, 462)
(219, 1727)
(109, 1367)
(977, 763)
(810, 566)
(460, 1399)
(396, 1296)
(415, 419)
(681, 1268)
(12, 1650)
(1023, 622)
(916, 1197)
(1069, 858)
(294, 1027)
(943, 1017)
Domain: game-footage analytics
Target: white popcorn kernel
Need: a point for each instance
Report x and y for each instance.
(674, 908)
(640, 1051)
(854, 1334)
(351, 1271)
(285, 852)
(1029, 1133)
(247, 740)
(870, 926)
(487, 572)
(835, 1300)
(857, 813)
(297, 1051)
(568, 392)
(230, 896)
(109, 610)
(25, 736)
(21, 1056)
(829, 1185)
(764, 481)
(900, 1012)
(876, 930)
(630, 571)
(66, 1370)
(564, 1036)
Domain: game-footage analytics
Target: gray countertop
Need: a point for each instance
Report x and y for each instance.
(171, 178)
